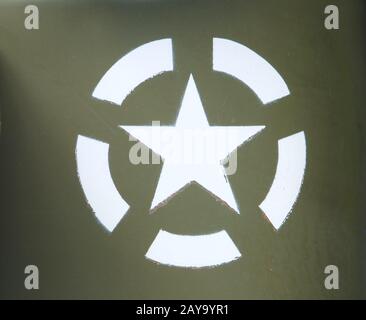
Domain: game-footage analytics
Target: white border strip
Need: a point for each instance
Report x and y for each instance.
(244, 64)
(97, 183)
(288, 179)
(134, 68)
(193, 251)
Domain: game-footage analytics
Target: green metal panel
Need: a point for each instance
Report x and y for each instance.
(47, 77)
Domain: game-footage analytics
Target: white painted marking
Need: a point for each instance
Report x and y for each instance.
(176, 172)
(244, 64)
(288, 179)
(193, 251)
(134, 68)
(97, 183)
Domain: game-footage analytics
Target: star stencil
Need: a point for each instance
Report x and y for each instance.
(193, 150)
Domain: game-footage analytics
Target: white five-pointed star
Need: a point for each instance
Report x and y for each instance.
(179, 145)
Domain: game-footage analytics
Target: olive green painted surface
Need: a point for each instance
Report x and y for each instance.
(46, 80)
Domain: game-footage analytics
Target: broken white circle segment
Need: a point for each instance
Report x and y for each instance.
(244, 64)
(96, 181)
(288, 179)
(134, 68)
(193, 251)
